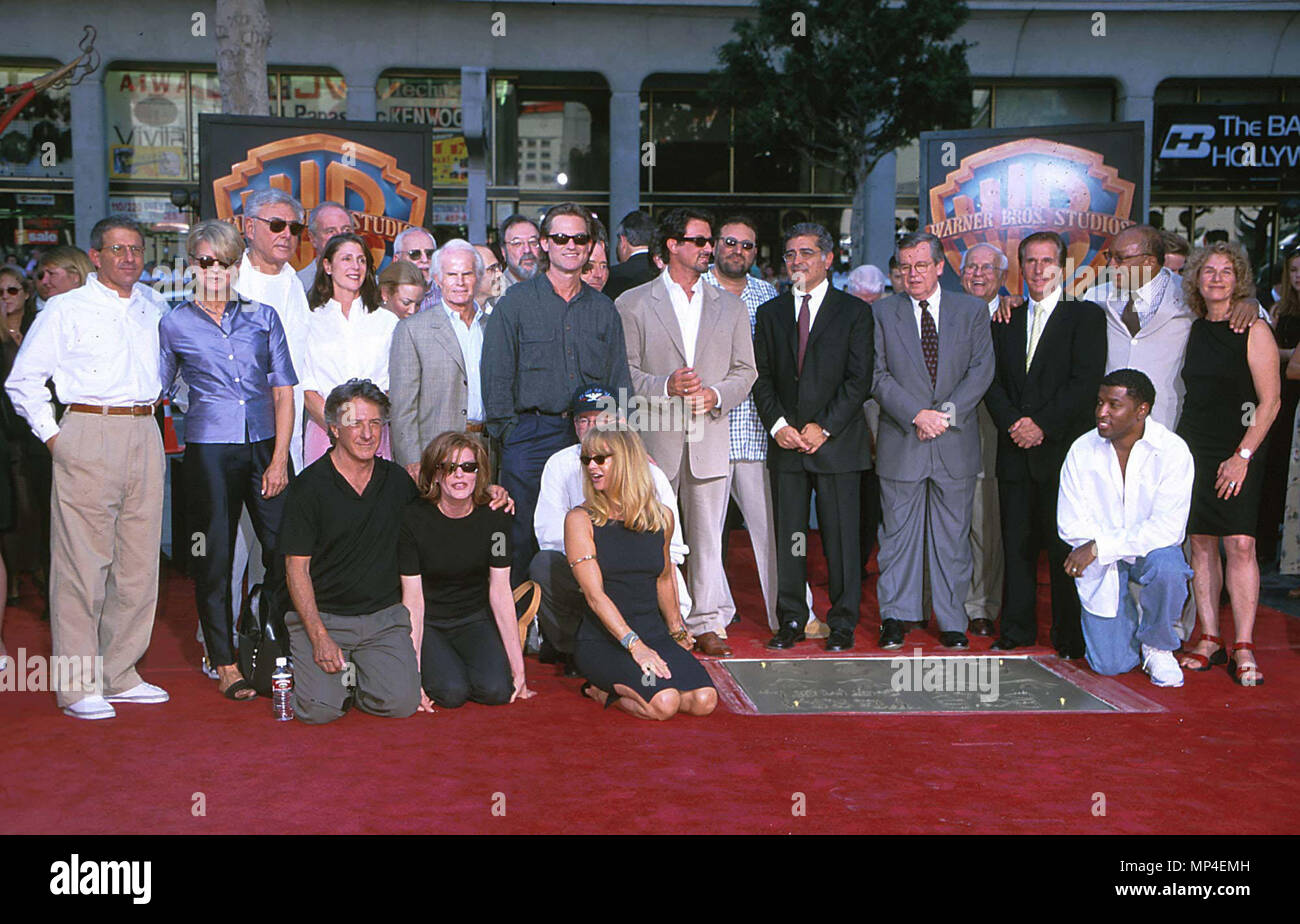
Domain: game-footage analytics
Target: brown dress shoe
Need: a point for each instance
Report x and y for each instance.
(981, 627)
(708, 643)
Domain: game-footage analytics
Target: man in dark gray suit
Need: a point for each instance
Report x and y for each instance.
(934, 362)
(635, 267)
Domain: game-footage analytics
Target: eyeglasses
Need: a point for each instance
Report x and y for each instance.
(732, 242)
(924, 266)
(279, 224)
(209, 262)
(1111, 256)
(562, 239)
(531, 243)
(469, 468)
(699, 240)
(492, 268)
(118, 249)
(420, 253)
(804, 253)
(11, 290)
(599, 458)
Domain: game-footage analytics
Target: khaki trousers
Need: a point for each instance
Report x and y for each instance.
(105, 532)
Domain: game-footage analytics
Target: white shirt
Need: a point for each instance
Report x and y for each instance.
(688, 311)
(932, 302)
(352, 347)
(98, 347)
(1047, 305)
(470, 339)
(818, 294)
(993, 306)
(1128, 515)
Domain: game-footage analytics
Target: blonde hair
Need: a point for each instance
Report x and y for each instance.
(400, 273)
(1245, 287)
(629, 491)
(72, 259)
(221, 236)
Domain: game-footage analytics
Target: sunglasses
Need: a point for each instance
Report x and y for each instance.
(599, 458)
(420, 253)
(209, 262)
(469, 468)
(279, 224)
(699, 240)
(11, 290)
(562, 239)
(732, 242)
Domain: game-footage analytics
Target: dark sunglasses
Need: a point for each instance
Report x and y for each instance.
(209, 262)
(599, 458)
(11, 290)
(699, 240)
(279, 224)
(420, 253)
(469, 468)
(562, 239)
(732, 242)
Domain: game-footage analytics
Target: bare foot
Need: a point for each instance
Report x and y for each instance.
(227, 676)
(1246, 668)
(593, 692)
(1205, 648)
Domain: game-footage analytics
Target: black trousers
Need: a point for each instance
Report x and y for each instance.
(870, 516)
(563, 602)
(838, 511)
(1029, 527)
(220, 480)
(465, 663)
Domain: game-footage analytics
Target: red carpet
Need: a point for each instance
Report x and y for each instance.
(1222, 760)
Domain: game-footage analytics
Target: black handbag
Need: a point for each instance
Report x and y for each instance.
(262, 639)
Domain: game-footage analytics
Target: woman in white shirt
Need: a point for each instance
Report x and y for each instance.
(348, 337)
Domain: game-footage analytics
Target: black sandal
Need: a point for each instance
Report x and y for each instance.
(239, 686)
(610, 698)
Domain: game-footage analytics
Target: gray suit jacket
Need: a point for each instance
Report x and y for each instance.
(724, 359)
(307, 275)
(427, 383)
(902, 386)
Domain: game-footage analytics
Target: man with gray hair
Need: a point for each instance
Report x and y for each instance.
(983, 270)
(435, 357)
(349, 633)
(867, 283)
(326, 220)
(522, 243)
(417, 246)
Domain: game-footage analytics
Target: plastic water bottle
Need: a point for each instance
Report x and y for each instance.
(282, 691)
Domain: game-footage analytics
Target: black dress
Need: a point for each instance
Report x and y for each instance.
(630, 564)
(1220, 394)
(1277, 457)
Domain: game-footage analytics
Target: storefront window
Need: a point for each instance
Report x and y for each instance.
(38, 142)
(691, 143)
(34, 221)
(313, 96)
(432, 100)
(1030, 106)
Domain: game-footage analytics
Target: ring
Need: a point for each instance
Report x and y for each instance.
(1232, 484)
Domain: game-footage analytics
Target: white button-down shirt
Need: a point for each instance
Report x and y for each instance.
(688, 311)
(818, 293)
(932, 303)
(1046, 306)
(470, 338)
(1129, 514)
(352, 347)
(98, 347)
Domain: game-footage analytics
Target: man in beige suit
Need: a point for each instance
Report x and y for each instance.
(691, 359)
(433, 363)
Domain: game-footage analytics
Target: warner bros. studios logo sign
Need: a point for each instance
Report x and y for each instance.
(1002, 194)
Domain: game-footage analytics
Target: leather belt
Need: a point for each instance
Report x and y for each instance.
(472, 427)
(134, 410)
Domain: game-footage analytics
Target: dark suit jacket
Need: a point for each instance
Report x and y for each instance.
(836, 380)
(636, 270)
(1059, 392)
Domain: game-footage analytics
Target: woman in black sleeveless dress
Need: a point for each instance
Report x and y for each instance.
(1233, 388)
(631, 646)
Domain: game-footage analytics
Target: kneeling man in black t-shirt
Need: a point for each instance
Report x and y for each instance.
(349, 633)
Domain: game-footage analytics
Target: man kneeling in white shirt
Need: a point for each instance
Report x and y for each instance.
(1125, 492)
(563, 602)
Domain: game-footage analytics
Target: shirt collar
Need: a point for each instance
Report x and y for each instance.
(1049, 302)
(454, 315)
(673, 286)
(818, 292)
(1145, 293)
(931, 300)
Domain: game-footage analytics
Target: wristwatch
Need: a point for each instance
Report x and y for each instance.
(1245, 454)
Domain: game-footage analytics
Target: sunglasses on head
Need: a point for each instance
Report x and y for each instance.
(420, 253)
(599, 458)
(699, 240)
(11, 290)
(209, 262)
(279, 224)
(562, 239)
(732, 242)
(469, 468)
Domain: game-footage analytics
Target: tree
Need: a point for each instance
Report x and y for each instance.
(846, 82)
(243, 31)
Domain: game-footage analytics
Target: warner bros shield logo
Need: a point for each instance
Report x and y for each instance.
(1005, 193)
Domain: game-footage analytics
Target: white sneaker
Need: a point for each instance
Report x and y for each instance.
(140, 693)
(1162, 667)
(92, 707)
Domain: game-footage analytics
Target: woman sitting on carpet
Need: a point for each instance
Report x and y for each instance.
(631, 646)
(454, 559)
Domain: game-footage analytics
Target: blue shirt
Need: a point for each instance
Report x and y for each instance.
(230, 369)
(748, 436)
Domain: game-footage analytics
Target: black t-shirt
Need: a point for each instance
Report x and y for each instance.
(351, 538)
(453, 557)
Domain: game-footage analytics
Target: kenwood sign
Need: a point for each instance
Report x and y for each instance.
(1243, 142)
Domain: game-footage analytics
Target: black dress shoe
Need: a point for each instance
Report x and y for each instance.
(1070, 654)
(953, 640)
(981, 627)
(786, 636)
(840, 640)
(1005, 644)
(891, 634)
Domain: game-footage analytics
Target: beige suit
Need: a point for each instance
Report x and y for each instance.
(427, 383)
(692, 450)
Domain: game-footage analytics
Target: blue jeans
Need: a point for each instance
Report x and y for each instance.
(534, 439)
(1114, 645)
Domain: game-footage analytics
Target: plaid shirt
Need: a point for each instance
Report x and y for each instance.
(748, 436)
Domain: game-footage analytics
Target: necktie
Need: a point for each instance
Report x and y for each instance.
(1130, 317)
(804, 323)
(930, 342)
(1035, 332)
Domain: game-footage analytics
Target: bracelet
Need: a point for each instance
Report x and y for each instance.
(678, 636)
(574, 564)
(629, 640)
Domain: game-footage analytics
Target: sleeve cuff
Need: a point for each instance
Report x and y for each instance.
(776, 427)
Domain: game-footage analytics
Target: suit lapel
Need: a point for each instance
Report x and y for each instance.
(950, 328)
(911, 336)
(1052, 331)
(661, 306)
(1018, 345)
(445, 336)
(825, 318)
(710, 315)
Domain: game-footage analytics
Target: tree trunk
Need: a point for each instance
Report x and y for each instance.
(243, 31)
